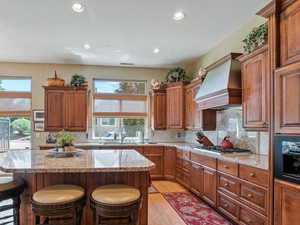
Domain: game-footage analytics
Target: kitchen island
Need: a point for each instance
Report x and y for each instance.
(88, 169)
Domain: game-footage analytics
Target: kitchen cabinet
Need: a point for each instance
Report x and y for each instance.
(170, 163)
(209, 186)
(289, 34)
(183, 168)
(195, 117)
(175, 106)
(255, 89)
(287, 104)
(158, 109)
(287, 203)
(65, 108)
(156, 155)
(196, 181)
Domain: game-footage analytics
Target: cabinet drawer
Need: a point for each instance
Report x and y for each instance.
(255, 196)
(254, 175)
(179, 153)
(228, 185)
(204, 160)
(249, 218)
(228, 206)
(228, 167)
(186, 155)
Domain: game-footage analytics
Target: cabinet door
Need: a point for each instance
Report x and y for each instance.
(155, 154)
(54, 110)
(158, 110)
(175, 107)
(76, 110)
(287, 104)
(196, 179)
(287, 203)
(209, 186)
(170, 162)
(289, 34)
(255, 82)
(189, 103)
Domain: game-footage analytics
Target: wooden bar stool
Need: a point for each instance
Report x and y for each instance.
(10, 190)
(116, 204)
(58, 202)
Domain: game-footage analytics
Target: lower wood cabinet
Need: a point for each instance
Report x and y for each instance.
(228, 206)
(156, 155)
(209, 186)
(170, 163)
(197, 179)
(287, 203)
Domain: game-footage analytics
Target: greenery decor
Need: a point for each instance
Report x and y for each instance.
(177, 74)
(256, 38)
(64, 139)
(77, 80)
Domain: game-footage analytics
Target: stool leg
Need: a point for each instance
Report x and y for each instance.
(16, 210)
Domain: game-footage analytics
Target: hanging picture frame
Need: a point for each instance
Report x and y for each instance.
(39, 126)
(38, 115)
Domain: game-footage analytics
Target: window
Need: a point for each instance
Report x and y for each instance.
(108, 121)
(15, 97)
(15, 113)
(120, 109)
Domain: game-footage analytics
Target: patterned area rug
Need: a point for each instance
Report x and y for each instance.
(192, 210)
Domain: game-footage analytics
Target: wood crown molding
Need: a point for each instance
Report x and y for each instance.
(230, 56)
(245, 57)
(270, 8)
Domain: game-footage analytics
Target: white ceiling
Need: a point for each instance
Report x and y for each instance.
(117, 30)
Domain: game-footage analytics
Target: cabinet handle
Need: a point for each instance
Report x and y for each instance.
(249, 195)
(225, 205)
(226, 185)
(252, 174)
(226, 167)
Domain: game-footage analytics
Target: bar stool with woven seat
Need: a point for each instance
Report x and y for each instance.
(116, 203)
(58, 202)
(10, 190)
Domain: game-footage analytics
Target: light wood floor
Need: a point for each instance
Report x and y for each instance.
(160, 212)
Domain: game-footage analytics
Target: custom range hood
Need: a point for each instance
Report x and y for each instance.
(222, 86)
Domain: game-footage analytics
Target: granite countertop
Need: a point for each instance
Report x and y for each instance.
(254, 160)
(36, 161)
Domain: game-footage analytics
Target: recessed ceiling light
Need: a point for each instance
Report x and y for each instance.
(156, 50)
(78, 7)
(179, 15)
(87, 46)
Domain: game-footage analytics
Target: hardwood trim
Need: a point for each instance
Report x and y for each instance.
(176, 84)
(253, 54)
(194, 84)
(15, 113)
(119, 114)
(64, 88)
(120, 97)
(15, 95)
(230, 56)
(267, 11)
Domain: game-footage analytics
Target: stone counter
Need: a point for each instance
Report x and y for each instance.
(36, 161)
(254, 160)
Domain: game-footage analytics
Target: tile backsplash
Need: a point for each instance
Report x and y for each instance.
(229, 123)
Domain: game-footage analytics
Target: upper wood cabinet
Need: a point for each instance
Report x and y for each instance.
(176, 106)
(158, 104)
(65, 108)
(287, 104)
(287, 203)
(255, 84)
(195, 117)
(290, 33)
